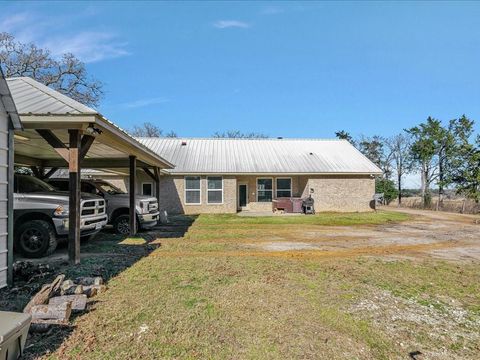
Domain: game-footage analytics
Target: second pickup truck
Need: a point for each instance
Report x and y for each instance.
(117, 201)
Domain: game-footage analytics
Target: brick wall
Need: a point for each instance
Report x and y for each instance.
(331, 193)
(172, 196)
(341, 193)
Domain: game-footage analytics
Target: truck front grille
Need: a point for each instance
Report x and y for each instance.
(93, 207)
(152, 206)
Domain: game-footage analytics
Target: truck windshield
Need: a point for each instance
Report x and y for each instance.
(109, 188)
(30, 184)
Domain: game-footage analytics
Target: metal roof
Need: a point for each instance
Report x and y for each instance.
(7, 101)
(32, 97)
(42, 107)
(261, 156)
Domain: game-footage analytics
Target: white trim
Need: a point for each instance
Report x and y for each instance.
(260, 174)
(151, 184)
(256, 187)
(206, 184)
(276, 187)
(185, 190)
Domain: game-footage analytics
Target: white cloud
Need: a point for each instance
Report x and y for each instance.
(271, 10)
(144, 102)
(224, 24)
(12, 22)
(88, 46)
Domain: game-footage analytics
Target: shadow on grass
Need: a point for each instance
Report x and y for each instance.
(107, 255)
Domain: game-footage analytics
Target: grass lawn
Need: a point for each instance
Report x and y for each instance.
(210, 295)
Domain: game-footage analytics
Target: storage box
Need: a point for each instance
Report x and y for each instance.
(13, 334)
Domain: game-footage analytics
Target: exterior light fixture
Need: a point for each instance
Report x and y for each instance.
(20, 137)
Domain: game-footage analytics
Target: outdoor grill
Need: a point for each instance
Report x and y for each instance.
(308, 207)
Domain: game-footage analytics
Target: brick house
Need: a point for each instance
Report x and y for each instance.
(230, 175)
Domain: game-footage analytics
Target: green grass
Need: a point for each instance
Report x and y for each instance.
(194, 302)
(324, 218)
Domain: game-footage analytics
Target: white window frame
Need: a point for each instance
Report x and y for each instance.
(151, 184)
(220, 203)
(276, 187)
(256, 187)
(185, 190)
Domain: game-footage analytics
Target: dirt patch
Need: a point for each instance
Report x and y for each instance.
(285, 246)
(449, 326)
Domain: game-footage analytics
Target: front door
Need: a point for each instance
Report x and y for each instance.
(242, 195)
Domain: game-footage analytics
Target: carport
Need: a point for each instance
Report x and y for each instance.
(60, 132)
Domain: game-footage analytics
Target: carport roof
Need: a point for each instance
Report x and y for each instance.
(40, 107)
(7, 101)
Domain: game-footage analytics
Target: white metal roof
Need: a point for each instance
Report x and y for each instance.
(7, 101)
(41, 107)
(261, 156)
(32, 97)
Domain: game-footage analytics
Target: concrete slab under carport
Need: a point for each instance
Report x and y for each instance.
(60, 132)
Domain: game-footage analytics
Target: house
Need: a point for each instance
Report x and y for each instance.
(228, 175)
(9, 121)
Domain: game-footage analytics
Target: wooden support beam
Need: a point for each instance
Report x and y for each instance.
(156, 171)
(94, 163)
(74, 198)
(38, 171)
(50, 173)
(55, 142)
(149, 173)
(27, 160)
(87, 141)
(133, 176)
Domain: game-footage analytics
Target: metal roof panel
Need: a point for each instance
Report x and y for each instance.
(262, 156)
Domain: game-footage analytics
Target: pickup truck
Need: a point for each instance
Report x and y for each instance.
(118, 203)
(41, 216)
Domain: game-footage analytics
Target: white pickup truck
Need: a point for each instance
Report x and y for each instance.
(41, 216)
(118, 203)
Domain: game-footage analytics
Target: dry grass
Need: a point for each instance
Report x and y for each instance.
(457, 205)
(220, 299)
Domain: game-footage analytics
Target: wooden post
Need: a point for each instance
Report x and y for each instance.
(133, 176)
(11, 177)
(74, 198)
(157, 185)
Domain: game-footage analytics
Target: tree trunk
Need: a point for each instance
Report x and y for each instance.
(399, 180)
(424, 185)
(440, 184)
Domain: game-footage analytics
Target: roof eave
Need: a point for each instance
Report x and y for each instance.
(371, 173)
(8, 103)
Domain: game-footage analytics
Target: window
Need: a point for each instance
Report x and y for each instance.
(284, 187)
(88, 188)
(264, 190)
(192, 190)
(147, 188)
(214, 190)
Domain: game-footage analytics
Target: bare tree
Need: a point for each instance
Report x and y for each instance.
(66, 74)
(400, 149)
(236, 134)
(171, 134)
(147, 129)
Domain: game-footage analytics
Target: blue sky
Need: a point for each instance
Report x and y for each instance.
(279, 68)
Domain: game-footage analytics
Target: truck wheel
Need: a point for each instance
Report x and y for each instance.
(121, 224)
(36, 238)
